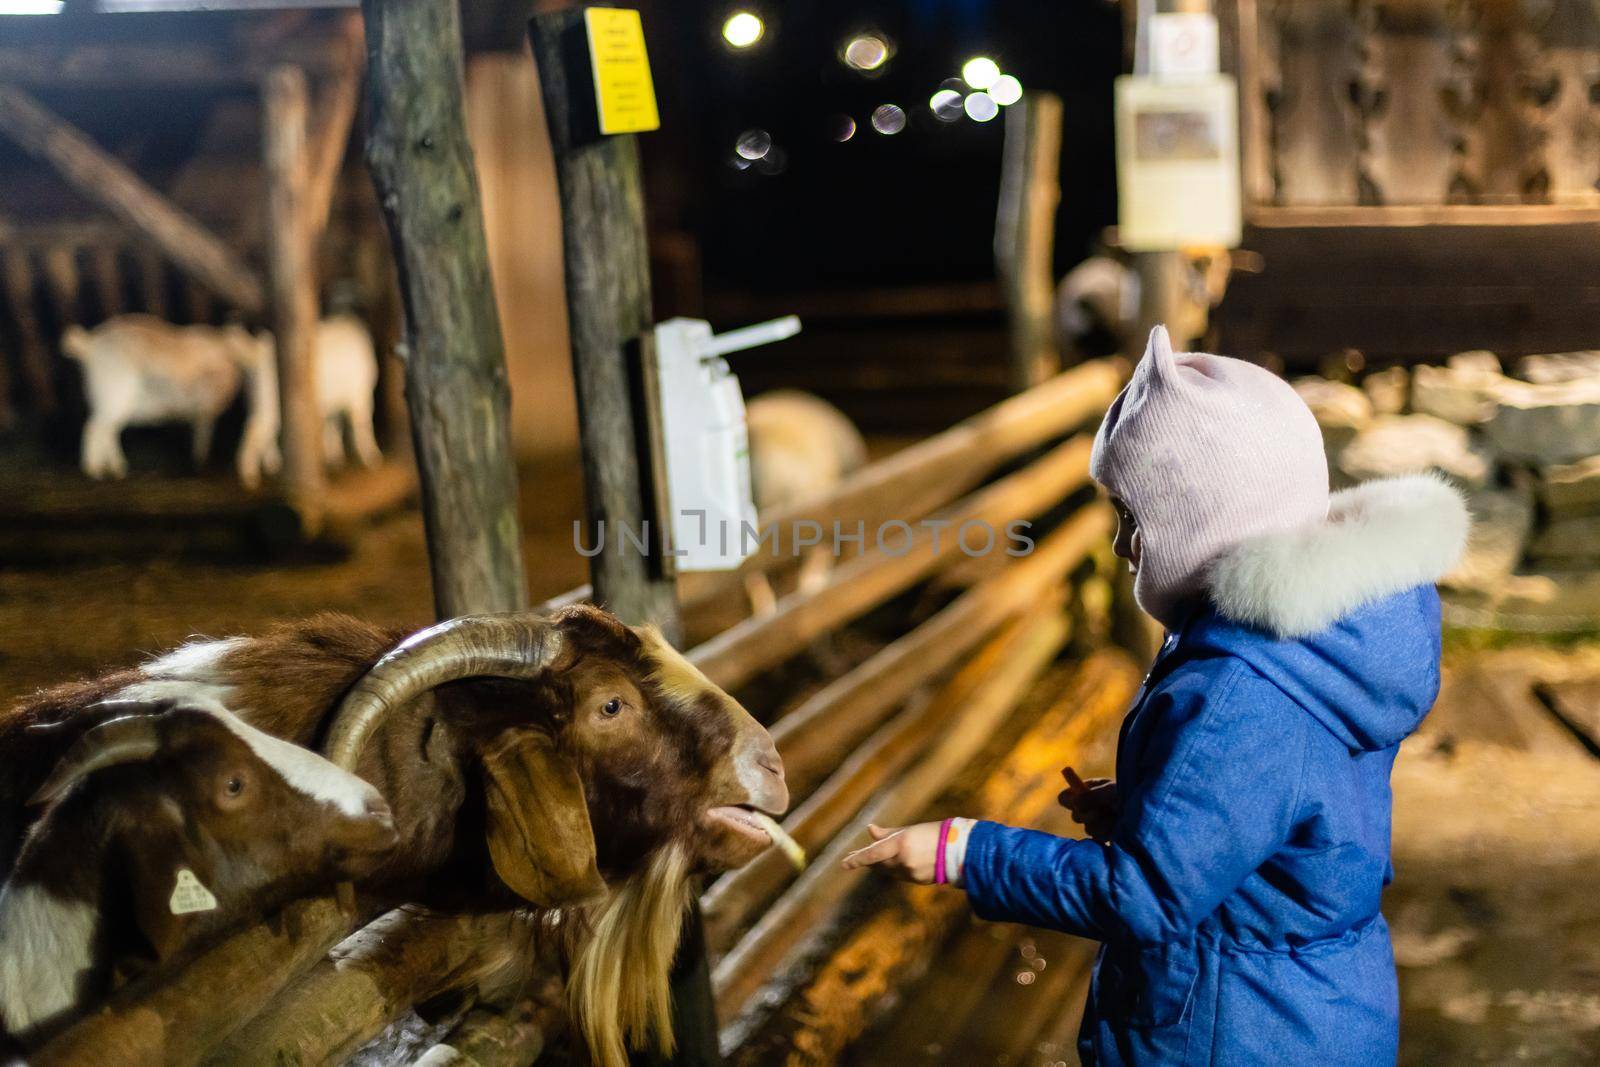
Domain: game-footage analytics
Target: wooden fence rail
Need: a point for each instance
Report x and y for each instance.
(305, 987)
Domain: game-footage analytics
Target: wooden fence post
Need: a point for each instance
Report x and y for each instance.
(1025, 234)
(610, 321)
(292, 278)
(456, 387)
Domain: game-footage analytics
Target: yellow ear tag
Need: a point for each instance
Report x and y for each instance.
(190, 894)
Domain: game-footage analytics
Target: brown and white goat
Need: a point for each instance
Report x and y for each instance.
(163, 826)
(586, 763)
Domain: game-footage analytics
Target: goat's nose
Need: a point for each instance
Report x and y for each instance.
(771, 762)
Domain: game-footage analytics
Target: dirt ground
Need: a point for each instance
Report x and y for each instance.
(66, 622)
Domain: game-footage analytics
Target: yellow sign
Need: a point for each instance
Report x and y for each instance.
(623, 91)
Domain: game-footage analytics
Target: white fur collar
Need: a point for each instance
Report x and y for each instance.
(1379, 538)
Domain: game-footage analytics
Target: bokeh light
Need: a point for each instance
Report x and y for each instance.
(980, 72)
(753, 144)
(980, 107)
(743, 29)
(888, 119)
(946, 105)
(1006, 90)
(866, 51)
(841, 128)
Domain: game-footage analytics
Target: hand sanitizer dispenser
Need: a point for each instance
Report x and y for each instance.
(706, 447)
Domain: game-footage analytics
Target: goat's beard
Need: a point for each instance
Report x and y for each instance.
(618, 983)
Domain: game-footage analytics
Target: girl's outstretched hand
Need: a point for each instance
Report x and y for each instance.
(907, 853)
(1093, 803)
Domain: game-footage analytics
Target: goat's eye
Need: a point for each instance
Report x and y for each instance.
(612, 706)
(234, 786)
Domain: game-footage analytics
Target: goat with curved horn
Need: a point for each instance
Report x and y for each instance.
(584, 762)
(512, 644)
(127, 739)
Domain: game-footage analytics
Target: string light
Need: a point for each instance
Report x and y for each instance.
(743, 29)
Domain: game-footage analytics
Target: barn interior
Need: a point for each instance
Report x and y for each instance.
(1419, 190)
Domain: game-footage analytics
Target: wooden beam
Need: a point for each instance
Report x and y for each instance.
(456, 386)
(179, 1021)
(291, 268)
(900, 936)
(16, 268)
(105, 181)
(1025, 234)
(744, 650)
(400, 959)
(490, 1037)
(1422, 215)
(329, 135)
(984, 691)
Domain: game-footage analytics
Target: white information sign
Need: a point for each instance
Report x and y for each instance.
(1177, 163)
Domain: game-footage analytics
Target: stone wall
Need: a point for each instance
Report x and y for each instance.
(1525, 446)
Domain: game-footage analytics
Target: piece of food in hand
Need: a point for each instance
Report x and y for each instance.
(791, 848)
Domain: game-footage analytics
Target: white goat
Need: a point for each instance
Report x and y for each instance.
(346, 373)
(801, 447)
(139, 371)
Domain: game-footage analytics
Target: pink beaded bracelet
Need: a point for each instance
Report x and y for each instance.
(938, 862)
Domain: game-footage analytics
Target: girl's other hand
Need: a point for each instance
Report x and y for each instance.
(908, 853)
(1093, 803)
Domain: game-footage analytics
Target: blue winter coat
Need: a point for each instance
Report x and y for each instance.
(1238, 899)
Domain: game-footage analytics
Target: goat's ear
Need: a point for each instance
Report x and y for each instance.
(540, 838)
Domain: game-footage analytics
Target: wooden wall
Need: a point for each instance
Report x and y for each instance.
(516, 172)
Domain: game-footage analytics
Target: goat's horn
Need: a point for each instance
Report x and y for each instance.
(515, 644)
(129, 739)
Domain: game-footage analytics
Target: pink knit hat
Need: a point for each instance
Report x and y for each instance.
(1206, 451)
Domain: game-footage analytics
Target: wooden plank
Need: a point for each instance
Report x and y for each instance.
(859, 584)
(368, 980)
(1316, 129)
(105, 181)
(1569, 42)
(985, 690)
(893, 946)
(1407, 215)
(329, 135)
(456, 388)
(291, 271)
(489, 1037)
(177, 1023)
(1408, 152)
(609, 321)
(32, 352)
(1025, 231)
(1501, 157)
(174, 64)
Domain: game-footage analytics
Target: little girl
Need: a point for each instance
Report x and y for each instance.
(1236, 865)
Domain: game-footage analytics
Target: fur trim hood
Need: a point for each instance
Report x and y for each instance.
(1379, 538)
